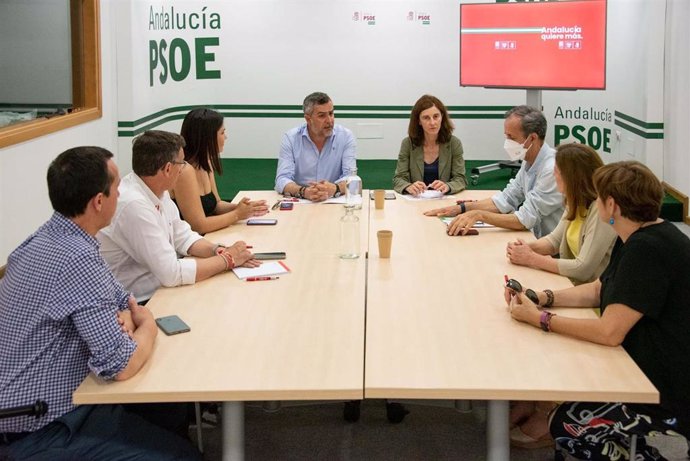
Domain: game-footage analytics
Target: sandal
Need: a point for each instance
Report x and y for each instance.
(520, 411)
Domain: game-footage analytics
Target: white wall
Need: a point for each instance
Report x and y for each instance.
(677, 96)
(24, 203)
(634, 86)
(275, 52)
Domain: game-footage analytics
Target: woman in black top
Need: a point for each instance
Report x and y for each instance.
(196, 193)
(644, 295)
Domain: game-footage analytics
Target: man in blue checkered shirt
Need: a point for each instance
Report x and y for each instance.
(62, 315)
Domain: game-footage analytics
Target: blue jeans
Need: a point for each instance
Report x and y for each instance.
(100, 432)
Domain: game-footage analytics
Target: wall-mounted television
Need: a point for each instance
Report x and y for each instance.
(534, 45)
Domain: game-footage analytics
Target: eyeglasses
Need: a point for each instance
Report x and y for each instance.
(183, 163)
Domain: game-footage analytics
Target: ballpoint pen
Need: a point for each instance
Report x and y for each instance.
(275, 205)
(259, 279)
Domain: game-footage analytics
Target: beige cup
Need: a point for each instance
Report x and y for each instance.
(385, 240)
(379, 198)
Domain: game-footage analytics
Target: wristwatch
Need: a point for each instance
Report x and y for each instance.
(337, 192)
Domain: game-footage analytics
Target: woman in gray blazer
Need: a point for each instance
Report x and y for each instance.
(430, 157)
(581, 240)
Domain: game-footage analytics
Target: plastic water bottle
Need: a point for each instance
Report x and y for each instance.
(353, 192)
(349, 235)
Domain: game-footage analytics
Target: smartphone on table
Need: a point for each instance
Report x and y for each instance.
(172, 325)
(261, 222)
(269, 255)
(286, 206)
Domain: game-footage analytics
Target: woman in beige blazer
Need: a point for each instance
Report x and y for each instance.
(583, 244)
(430, 157)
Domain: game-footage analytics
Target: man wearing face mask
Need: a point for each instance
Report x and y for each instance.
(530, 200)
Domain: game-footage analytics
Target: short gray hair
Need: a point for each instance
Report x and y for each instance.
(314, 99)
(531, 120)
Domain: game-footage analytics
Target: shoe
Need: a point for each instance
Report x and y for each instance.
(396, 412)
(521, 440)
(351, 411)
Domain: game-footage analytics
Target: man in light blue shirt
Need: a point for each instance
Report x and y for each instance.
(316, 156)
(530, 200)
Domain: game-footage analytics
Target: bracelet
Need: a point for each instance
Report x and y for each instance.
(549, 298)
(229, 260)
(463, 208)
(218, 249)
(300, 194)
(545, 321)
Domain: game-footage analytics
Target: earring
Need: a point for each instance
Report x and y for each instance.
(611, 221)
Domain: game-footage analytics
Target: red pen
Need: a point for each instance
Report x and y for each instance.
(505, 277)
(249, 246)
(258, 279)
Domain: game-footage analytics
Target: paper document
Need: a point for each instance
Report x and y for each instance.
(342, 200)
(422, 197)
(265, 269)
(449, 219)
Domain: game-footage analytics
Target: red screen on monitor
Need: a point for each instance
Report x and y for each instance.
(549, 45)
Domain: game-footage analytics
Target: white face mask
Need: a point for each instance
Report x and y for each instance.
(515, 150)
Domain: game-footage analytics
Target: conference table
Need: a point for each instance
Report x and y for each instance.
(438, 326)
(433, 316)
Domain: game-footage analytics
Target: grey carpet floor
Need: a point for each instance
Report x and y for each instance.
(318, 432)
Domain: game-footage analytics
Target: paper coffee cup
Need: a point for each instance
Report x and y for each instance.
(385, 238)
(379, 198)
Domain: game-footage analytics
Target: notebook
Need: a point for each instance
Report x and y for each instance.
(264, 270)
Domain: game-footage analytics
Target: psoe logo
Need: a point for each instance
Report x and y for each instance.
(424, 18)
(367, 18)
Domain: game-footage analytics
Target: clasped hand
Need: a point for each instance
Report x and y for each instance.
(320, 191)
(519, 253)
(418, 187)
(241, 255)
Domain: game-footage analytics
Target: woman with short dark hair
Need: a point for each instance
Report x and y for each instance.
(430, 157)
(644, 296)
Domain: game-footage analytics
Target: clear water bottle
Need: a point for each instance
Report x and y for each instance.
(353, 192)
(349, 235)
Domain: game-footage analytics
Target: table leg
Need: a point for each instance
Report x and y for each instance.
(497, 438)
(233, 431)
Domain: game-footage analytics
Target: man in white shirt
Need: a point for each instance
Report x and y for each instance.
(530, 200)
(145, 240)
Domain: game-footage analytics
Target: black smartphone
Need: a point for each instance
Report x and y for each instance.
(270, 255)
(286, 206)
(469, 232)
(172, 325)
(262, 222)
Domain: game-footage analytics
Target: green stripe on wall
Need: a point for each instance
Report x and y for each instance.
(637, 131)
(344, 112)
(640, 123)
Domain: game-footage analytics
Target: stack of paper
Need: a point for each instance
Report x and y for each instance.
(264, 270)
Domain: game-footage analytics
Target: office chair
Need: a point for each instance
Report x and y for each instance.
(37, 409)
(476, 171)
